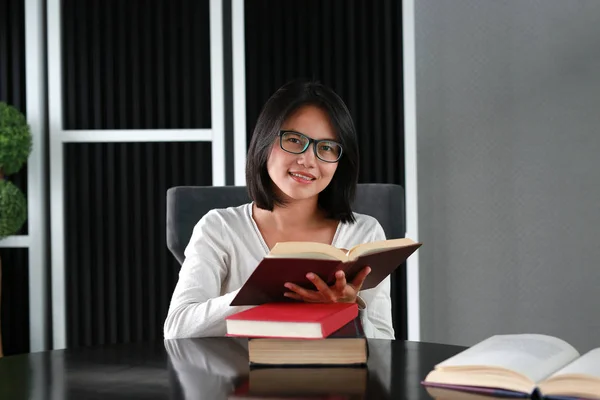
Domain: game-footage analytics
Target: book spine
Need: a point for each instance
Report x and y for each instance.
(330, 278)
(232, 335)
(337, 320)
(259, 365)
(350, 269)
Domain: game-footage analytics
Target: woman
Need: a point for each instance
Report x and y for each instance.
(301, 174)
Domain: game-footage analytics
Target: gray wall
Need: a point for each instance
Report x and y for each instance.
(508, 147)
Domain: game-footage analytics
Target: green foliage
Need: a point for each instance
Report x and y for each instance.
(13, 209)
(15, 139)
(15, 146)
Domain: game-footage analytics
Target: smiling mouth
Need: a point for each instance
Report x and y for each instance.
(303, 177)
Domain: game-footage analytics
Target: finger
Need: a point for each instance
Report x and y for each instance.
(358, 281)
(340, 281)
(304, 293)
(296, 296)
(293, 295)
(322, 287)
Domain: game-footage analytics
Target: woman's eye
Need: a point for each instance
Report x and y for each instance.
(326, 147)
(294, 140)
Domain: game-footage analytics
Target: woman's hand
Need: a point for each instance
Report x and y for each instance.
(339, 292)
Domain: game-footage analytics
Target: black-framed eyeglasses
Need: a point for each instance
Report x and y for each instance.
(297, 143)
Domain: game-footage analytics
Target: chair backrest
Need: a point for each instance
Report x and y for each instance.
(186, 205)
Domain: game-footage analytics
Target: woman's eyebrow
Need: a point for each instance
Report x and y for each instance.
(308, 136)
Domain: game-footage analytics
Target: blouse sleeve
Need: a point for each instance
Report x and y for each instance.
(198, 308)
(376, 317)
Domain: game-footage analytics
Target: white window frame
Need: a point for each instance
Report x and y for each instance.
(35, 240)
(238, 50)
(410, 167)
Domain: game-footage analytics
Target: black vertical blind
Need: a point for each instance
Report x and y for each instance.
(15, 300)
(120, 274)
(12, 53)
(353, 46)
(136, 65)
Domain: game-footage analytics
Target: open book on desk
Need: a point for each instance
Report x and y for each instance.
(291, 261)
(519, 366)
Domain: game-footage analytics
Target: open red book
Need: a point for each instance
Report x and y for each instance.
(291, 261)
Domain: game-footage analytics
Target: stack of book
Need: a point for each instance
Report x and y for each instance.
(313, 350)
(301, 334)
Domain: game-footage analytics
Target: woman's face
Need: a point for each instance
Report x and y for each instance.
(302, 176)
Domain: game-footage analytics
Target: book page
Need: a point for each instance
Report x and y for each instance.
(588, 364)
(367, 248)
(312, 250)
(534, 356)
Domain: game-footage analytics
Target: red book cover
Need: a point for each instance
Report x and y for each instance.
(288, 320)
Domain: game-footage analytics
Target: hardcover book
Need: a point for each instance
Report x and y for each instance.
(291, 320)
(347, 346)
(291, 261)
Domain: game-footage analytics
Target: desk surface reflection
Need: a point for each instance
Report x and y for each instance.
(212, 368)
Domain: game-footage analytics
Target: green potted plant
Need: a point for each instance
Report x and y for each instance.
(15, 146)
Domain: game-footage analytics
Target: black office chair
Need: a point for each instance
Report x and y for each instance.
(186, 205)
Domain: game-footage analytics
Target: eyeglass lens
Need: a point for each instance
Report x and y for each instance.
(297, 143)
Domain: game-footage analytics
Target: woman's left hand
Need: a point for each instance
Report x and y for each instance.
(339, 292)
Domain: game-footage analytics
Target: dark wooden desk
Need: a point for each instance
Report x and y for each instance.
(210, 368)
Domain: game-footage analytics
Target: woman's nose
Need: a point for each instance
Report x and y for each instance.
(307, 158)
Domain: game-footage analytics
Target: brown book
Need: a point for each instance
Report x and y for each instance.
(346, 346)
(291, 261)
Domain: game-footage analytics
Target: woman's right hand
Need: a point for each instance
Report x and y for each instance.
(340, 292)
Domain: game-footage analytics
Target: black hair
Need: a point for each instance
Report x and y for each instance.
(336, 199)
